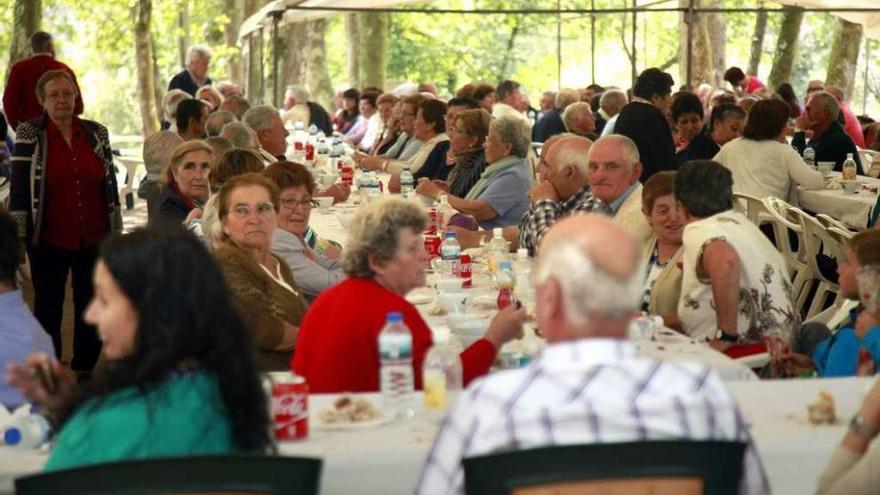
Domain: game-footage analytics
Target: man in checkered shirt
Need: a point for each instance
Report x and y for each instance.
(587, 386)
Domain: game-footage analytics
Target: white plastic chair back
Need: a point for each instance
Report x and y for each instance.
(816, 237)
(828, 221)
(753, 208)
(784, 221)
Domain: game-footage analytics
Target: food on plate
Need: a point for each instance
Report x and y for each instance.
(350, 409)
(822, 411)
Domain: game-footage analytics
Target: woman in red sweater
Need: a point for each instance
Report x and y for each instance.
(337, 348)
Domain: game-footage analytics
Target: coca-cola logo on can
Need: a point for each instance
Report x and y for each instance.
(432, 245)
(464, 269)
(290, 408)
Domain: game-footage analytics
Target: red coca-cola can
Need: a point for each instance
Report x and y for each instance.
(310, 152)
(433, 221)
(290, 407)
(432, 247)
(464, 267)
(348, 175)
(298, 145)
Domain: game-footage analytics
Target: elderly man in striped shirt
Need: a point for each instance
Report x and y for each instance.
(588, 386)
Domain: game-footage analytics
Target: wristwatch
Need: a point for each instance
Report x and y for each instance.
(725, 337)
(858, 426)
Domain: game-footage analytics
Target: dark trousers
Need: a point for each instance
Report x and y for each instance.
(49, 268)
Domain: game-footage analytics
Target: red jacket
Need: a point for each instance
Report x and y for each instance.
(853, 127)
(337, 347)
(20, 97)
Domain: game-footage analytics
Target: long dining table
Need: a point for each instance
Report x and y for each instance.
(853, 209)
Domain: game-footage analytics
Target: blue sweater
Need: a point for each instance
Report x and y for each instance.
(838, 355)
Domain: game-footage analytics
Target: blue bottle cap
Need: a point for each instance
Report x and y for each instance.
(450, 235)
(394, 317)
(12, 436)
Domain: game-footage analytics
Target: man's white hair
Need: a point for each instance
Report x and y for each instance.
(612, 101)
(828, 103)
(299, 92)
(170, 101)
(260, 117)
(566, 97)
(197, 52)
(573, 112)
(567, 153)
(588, 290)
(241, 135)
(628, 146)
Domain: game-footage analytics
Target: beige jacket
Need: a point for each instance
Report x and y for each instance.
(667, 287)
(630, 217)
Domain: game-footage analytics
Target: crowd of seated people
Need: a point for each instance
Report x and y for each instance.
(629, 205)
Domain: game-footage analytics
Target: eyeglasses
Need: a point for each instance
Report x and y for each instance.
(245, 211)
(291, 203)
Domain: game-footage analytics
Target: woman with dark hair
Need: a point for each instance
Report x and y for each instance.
(484, 95)
(350, 112)
(735, 285)
(725, 124)
(644, 121)
(786, 92)
(761, 161)
(466, 139)
(170, 383)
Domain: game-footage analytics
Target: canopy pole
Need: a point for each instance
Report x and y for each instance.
(634, 51)
(558, 45)
(262, 61)
(865, 84)
(276, 18)
(689, 20)
(592, 43)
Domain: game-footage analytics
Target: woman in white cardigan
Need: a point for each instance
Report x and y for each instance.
(761, 162)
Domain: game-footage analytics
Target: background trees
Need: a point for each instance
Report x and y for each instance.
(116, 45)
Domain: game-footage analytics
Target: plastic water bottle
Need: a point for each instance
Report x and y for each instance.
(522, 270)
(498, 249)
(27, 432)
(849, 168)
(313, 132)
(441, 377)
(506, 282)
(407, 183)
(810, 157)
(450, 252)
(444, 210)
(396, 372)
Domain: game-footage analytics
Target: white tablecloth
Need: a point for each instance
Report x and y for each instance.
(851, 209)
(389, 458)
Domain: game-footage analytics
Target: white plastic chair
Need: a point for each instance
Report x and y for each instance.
(784, 221)
(828, 221)
(816, 237)
(130, 166)
(752, 207)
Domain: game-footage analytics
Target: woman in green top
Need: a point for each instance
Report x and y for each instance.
(178, 375)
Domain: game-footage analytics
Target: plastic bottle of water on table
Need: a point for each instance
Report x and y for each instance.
(849, 168)
(450, 252)
(810, 156)
(407, 183)
(26, 432)
(441, 376)
(444, 210)
(396, 366)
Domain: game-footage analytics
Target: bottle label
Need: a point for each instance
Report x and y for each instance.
(395, 347)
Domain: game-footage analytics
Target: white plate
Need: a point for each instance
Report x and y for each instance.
(420, 296)
(315, 422)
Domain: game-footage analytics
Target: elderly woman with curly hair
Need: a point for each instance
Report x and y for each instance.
(336, 350)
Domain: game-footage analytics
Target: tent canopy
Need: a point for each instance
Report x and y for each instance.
(288, 13)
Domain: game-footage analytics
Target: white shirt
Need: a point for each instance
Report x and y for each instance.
(764, 288)
(767, 168)
(609, 126)
(374, 130)
(587, 391)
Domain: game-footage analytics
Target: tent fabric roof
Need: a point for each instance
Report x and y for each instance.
(870, 20)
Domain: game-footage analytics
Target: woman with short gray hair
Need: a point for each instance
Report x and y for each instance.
(498, 199)
(337, 347)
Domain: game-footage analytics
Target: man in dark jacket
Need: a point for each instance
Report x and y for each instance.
(195, 75)
(644, 121)
(830, 142)
(298, 107)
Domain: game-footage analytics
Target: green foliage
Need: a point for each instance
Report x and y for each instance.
(96, 38)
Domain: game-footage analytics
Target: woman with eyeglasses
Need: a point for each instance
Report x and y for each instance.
(266, 296)
(313, 271)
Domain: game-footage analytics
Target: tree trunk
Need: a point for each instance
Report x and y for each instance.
(757, 43)
(844, 56)
(318, 76)
(255, 68)
(373, 55)
(183, 27)
(508, 53)
(352, 48)
(786, 46)
(716, 25)
(27, 15)
(143, 48)
(701, 60)
(234, 68)
(295, 53)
